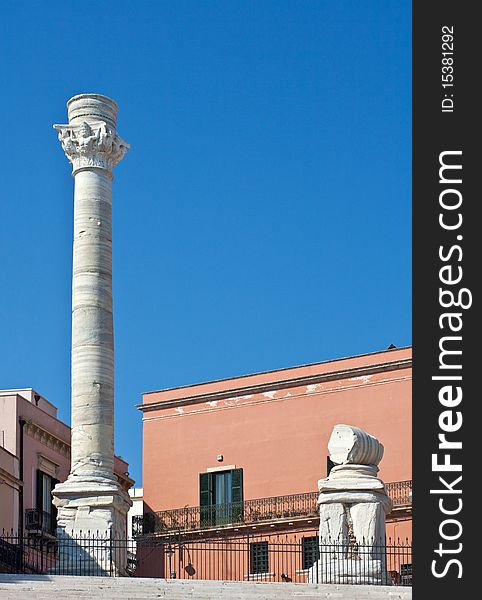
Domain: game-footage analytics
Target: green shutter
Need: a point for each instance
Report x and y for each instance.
(206, 498)
(237, 485)
(205, 489)
(237, 495)
(39, 495)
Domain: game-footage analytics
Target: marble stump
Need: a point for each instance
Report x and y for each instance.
(353, 505)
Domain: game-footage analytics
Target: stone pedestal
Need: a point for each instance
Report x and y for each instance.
(91, 499)
(353, 504)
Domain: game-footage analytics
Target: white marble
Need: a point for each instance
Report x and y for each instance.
(349, 444)
(91, 498)
(353, 504)
(43, 587)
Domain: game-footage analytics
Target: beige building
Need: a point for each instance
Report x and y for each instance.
(10, 485)
(137, 508)
(34, 456)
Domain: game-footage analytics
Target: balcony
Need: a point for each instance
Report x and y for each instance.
(39, 523)
(401, 494)
(297, 507)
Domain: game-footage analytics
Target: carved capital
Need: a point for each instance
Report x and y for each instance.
(92, 144)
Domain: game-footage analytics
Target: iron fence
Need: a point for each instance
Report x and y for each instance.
(249, 512)
(10, 556)
(272, 558)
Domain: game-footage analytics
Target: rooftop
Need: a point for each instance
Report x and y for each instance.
(352, 366)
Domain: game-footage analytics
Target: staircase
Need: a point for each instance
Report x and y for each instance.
(58, 587)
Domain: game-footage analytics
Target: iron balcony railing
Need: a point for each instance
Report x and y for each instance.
(223, 515)
(39, 521)
(400, 492)
(249, 512)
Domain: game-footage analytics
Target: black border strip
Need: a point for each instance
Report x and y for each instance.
(449, 127)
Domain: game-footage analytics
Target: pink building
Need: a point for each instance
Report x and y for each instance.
(34, 456)
(251, 444)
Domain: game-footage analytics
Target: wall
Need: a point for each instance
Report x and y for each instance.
(137, 508)
(9, 491)
(46, 447)
(8, 420)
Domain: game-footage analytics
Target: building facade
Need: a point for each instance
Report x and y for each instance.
(10, 485)
(136, 510)
(242, 456)
(34, 456)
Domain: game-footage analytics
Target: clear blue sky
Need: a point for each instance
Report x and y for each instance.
(262, 218)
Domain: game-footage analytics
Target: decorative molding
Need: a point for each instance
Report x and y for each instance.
(47, 465)
(277, 385)
(92, 144)
(47, 439)
(224, 468)
(61, 447)
(125, 481)
(7, 478)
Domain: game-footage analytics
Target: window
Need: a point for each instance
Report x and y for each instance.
(45, 506)
(406, 574)
(310, 551)
(221, 497)
(222, 487)
(258, 558)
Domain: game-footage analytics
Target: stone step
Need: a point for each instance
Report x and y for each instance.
(58, 587)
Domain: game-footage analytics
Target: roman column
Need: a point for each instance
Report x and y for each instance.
(91, 498)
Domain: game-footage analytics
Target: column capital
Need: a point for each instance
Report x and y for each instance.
(91, 144)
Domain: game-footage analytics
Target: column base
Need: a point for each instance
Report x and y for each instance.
(91, 527)
(362, 570)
